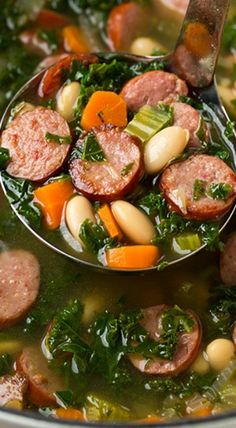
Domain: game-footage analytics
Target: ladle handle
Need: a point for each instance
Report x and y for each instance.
(196, 52)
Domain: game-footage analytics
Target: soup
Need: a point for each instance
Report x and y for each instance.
(82, 351)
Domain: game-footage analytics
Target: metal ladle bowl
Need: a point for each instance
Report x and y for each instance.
(194, 60)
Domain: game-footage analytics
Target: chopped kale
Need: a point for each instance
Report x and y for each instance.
(183, 386)
(93, 236)
(57, 138)
(199, 189)
(90, 150)
(127, 169)
(222, 310)
(20, 195)
(230, 129)
(153, 203)
(4, 157)
(220, 191)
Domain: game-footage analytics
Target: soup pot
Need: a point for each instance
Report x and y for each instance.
(13, 419)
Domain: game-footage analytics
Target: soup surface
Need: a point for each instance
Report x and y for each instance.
(110, 347)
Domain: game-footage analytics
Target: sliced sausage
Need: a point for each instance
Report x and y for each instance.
(186, 350)
(178, 180)
(53, 77)
(43, 383)
(122, 17)
(50, 60)
(13, 389)
(189, 118)
(19, 285)
(32, 156)
(50, 19)
(179, 6)
(152, 87)
(109, 180)
(228, 262)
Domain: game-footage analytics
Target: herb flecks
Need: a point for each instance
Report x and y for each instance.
(199, 189)
(127, 169)
(90, 150)
(57, 138)
(220, 191)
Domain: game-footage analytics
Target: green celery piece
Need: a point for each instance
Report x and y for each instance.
(189, 241)
(148, 121)
(99, 409)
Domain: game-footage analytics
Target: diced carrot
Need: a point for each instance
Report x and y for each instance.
(74, 40)
(104, 107)
(203, 412)
(132, 257)
(50, 20)
(198, 39)
(52, 198)
(150, 420)
(109, 222)
(71, 414)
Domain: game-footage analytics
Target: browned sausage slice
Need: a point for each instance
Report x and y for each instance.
(115, 176)
(43, 383)
(33, 156)
(189, 118)
(178, 180)
(53, 77)
(152, 87)
(122, 17)
(228, 262)
(186, 351)
(19, 285)
(13, 389)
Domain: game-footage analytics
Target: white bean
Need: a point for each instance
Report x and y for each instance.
(164, 146)
(133, 222)
(145, 46)
(66, 100)
(201, 365)
(219, 353)
(78, 209)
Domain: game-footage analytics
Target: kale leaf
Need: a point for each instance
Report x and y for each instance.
(222, 310)
(20, 195)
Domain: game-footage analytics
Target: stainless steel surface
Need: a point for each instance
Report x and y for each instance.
(199, 41)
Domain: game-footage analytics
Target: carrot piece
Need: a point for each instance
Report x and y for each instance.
(74, 40)
(150, 420)
(109, 222)
(50, 20)
(203, 412)
(132, 257)
(71, 414)
(104, 107)
(197, 39)
(52, 198)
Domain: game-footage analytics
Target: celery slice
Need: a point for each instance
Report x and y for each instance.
(187, 242)
(150, 120)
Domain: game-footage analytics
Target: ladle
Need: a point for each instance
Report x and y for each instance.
(194, 60)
